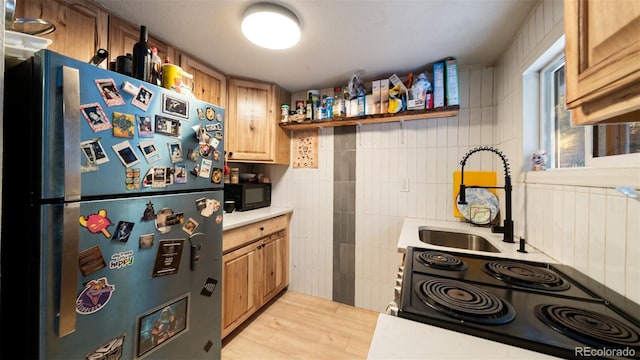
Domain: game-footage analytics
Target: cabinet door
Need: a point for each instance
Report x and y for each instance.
(249, 125)
(239, 296)
(275, 262)
(81, 28)
(123, 35)
(208, 84)
(603, 67)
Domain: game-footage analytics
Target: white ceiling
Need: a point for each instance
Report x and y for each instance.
(339, 37)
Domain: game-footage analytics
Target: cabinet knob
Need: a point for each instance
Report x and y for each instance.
(261, 228)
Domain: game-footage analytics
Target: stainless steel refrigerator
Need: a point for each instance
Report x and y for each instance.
(111, 216)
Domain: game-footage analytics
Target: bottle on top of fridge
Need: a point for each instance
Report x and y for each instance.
(338, 102)
(141, 62)
(309, 113)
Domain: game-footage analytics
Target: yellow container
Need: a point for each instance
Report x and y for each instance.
(477, 178)
(171, 77)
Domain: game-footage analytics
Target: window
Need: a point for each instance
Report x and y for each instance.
(568, 146)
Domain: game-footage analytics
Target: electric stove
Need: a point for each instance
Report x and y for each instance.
(549, 308)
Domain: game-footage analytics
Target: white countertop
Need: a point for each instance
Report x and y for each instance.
(399, 338)
(241, 218)
(409, 237)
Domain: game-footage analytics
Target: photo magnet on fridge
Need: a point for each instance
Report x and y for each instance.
(125, 153)
(145, 126)
(145, 241)
(168, 257)
(149, 150)
(142, 98)
(175, 106)
(95, 116)
(167, 126)
(109, 92)
(93, 151)
(175, 151)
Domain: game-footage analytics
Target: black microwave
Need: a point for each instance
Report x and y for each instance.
(248, 196)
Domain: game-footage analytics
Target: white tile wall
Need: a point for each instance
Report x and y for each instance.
(593, 229)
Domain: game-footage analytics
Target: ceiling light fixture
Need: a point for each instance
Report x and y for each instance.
(271, 26)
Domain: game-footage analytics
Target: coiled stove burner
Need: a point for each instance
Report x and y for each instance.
(588, 327)
(463, 301)
(525, 275)
(440, 260)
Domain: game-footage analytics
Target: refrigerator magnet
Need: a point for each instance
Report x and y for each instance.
(149, 212)
(132, 178)
(149, 150)
(175, 151)
(161, 220)
(205, 168)
(217, 156)
(109, 92)
(218, 219)
(207, 206)
(159, 177)
(205, 150)
(121, 259)
(210, 113)
(145, 241)
(97, 223)
(95, 296)
(168, 257)
(145, 126)
(168, 178)
(143, 98)
(123, 231)
(125, 153)
(216, 176)
(175, 106)
(91, 260)
(190, 226)
(113, 346)
(123, 125)
(192, 154)
(200, 113)
(95, 116)
(180, 174)
(93, 151)
(167, 126)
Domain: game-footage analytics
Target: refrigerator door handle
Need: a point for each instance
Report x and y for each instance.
(72, 191)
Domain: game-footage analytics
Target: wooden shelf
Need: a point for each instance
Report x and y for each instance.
(375, 119)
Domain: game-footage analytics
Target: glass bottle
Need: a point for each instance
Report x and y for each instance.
(309, 114)
(338, 102)
(141, 64)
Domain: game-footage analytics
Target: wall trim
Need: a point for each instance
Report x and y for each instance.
(589, 177)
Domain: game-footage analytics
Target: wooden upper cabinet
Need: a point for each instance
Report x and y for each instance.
(81, 28)
(603, 60)
(123, 35)
(252, 131)
(208, 84)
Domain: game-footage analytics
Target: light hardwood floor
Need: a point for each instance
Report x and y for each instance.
(299, 326)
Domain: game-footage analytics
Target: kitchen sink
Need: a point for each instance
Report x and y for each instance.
(456, 240)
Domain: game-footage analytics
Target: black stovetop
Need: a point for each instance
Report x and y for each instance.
(527, 304)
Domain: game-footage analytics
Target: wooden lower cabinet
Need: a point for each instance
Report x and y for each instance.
(255, 272)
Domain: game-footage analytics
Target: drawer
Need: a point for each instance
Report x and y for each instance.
(235, 238)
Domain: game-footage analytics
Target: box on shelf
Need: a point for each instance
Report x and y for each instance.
(375, 98)
(438, 85)
(451, 85)
(384, 96)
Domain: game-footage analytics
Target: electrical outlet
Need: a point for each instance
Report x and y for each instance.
(404, 185)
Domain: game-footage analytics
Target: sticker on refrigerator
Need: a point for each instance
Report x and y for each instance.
(123, 231)
(97, 223)
(216, 176)
(91, 260)
(145, 126)
(142, 98)
(175, 106)
(112, 349)
(168, 257)
(109, 92)
(95, 116)
(95, 296)
(165, 218)
(121, 259)
(209, 287)
(207, 206)
(123, 125)
(125, 153)
(200, 113)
